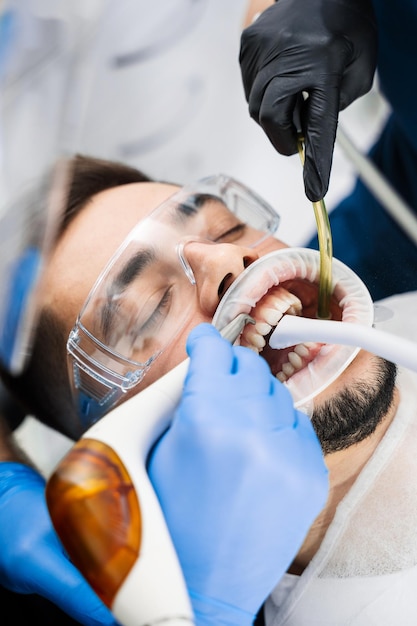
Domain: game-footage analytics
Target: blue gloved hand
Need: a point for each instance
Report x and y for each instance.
(240, 477)
(325, 48)
(32, 559)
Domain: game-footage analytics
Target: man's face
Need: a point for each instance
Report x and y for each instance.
(95, 234)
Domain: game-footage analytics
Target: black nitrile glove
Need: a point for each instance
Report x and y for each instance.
(325, 48)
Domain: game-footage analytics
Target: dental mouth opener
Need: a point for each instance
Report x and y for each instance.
(293, 329)
(107, 515)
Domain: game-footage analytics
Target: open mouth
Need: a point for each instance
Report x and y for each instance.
(285, 282)
(295, 297)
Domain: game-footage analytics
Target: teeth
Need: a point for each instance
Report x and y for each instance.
(301, 349)
(283, 300)
(269, 312)
(263, 328)
(256, 339)
(295, 360)
(288, 369)
(272, 316)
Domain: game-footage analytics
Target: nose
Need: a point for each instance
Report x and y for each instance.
(215, 266)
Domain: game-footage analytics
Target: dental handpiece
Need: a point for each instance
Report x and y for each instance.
(107, 515)
(293, 329)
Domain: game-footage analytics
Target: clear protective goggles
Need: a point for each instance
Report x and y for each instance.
(147, 293)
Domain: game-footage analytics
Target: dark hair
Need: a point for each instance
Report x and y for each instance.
(43, 388)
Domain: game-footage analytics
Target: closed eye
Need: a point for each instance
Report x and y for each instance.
(232, 234)
(159, 312)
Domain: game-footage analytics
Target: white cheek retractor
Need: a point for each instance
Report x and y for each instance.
(303, 264)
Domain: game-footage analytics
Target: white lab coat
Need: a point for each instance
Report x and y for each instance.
(365, 572)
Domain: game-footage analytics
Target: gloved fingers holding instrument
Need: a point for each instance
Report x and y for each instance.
(303, 61)
(248, 483)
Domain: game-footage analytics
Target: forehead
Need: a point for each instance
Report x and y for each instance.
(91, 238)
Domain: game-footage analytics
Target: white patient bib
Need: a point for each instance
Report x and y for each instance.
(365, 571)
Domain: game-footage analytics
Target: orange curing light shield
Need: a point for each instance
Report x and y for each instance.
(96, 514)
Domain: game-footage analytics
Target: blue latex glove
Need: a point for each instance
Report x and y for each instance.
(325, 48)
(32, 559)
(240, 477)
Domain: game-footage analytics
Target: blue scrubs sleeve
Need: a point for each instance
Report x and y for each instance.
(365, 237)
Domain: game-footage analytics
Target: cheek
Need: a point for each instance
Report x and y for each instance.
(175, 353)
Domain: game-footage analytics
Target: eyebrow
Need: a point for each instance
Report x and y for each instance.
(195, 203)
(133, 268)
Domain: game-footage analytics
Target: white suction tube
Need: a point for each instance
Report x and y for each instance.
(292, 330)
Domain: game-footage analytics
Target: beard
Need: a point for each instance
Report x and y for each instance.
(354, 413)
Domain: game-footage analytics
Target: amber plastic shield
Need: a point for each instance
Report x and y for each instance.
(96, 513)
